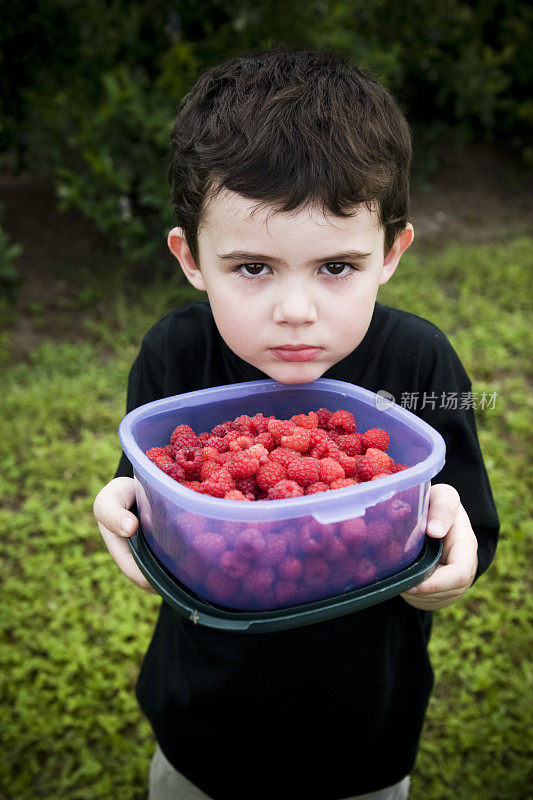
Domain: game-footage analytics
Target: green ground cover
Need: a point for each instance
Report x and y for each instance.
(73, 630)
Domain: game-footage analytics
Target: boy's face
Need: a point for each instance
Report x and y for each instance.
(294, 279)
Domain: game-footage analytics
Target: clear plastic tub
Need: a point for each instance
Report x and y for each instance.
(273, 554)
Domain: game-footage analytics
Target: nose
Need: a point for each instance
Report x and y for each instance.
(294, 306)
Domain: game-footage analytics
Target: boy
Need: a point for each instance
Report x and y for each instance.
(289, 175)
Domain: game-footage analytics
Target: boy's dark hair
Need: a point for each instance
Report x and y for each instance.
(289, 128)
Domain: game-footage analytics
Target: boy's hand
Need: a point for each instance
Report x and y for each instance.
(111, 511)
(458, 564)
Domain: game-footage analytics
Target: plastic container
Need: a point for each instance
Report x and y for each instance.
(278, 554)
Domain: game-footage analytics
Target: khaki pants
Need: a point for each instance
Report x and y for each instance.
(166, 783)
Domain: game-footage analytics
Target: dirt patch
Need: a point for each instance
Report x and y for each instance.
(479, 194)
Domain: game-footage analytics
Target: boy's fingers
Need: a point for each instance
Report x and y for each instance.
(444, 502)
(121, 555)
(111, 507)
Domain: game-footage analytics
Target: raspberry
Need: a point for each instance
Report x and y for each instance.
(304, 471)
(309, 420)
(258, 451)
(154, 452)
(258, 579)
(397, 468)
(196, 486)
(284, 455)
(207, 469)
(219, 483)
(269, 474)
(165, 463)
(380, 475)
(190, 524)
(260, 423)
(209, 546)
(234, 566)
(203, 437)
(348, 463)
(211, 454)
(323, 415)
(397, 510)
(285, 591)
(342, 573)
(168, 450)
(315, 571)
(298, 440)
(221, 430)
(316, 435)
(372, 463)
(290, 568)
(250, 544)
(240, 443)
(351, 444)
(275, 550)
(278, 428)
(220, 586)
(353, 532)
(376, 438)
(234, 494)
(285, 489)
(364, 572)
(330, 470)
(247, 486)
(340, 483)
(336, 549)
(177, 472)
(325, 449)
(190, 459)
(266, 439)
(320, 486)
(218, 442)
(314, 539)
(378, 532)
(342, 421)
(183, 436)
(242, 465)
(245, 424)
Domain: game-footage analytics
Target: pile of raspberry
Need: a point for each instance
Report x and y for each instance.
(265, 458)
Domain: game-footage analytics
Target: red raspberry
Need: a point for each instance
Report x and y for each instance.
(340, 483)
(304, 471)
(323, 415)
(397, 468)
(397, 510)
(372, 463)
(234, 494)
(190, 459)
(290, 568)
(315, 571)
(269, 474)
(330, 470)
(376, 438)
(279, 428)
(353, 532)
(218, 442)
(168, 450)
(258, 579)
(317, 435)
(219, 483)
(364, 572)
(154, 453)
(348, 464)
(220, 586)
(342, 421)
(183, 436)
(241, 443)
(275, 550)
(245, 424)
(247, 486)
(309, 420)
(266, 439)
(314, 538)
(285, 489)
(207, 469)
(285, 592)
(351, 444)
(250, 544)
(284, 455)
(177, 472)
(209, 546)
(211, 454)
(319, 486)
(165, 463)
(196, 486)
(380, 475)
(258, 451)
(325, 449)
(336, 549)
(242, 465)
(260, 423)
(203, 437)
(298, 440)
(233, 565)
(378, 532)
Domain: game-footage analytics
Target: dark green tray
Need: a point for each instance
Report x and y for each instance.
(202, 612)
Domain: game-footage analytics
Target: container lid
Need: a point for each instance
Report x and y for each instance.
(201, 612)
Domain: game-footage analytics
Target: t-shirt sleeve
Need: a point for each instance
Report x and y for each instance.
(145, 383)
(446, 404)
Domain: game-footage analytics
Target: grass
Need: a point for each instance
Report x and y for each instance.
(73, 630)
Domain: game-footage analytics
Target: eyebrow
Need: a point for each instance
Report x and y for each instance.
(240, 255)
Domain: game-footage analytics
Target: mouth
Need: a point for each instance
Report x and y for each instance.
(299, 352)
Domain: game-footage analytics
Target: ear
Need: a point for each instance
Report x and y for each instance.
(401, 243)
(178, 247)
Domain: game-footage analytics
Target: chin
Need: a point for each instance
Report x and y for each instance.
(296, 373)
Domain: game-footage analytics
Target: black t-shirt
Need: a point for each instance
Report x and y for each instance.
(335, 708)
